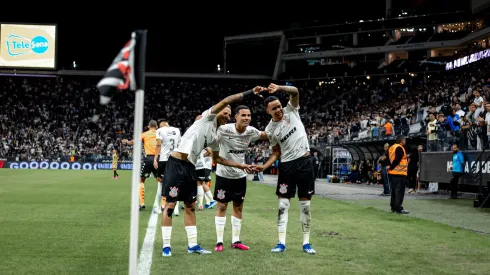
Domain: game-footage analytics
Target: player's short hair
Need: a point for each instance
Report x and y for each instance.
(399, 138)
(269, 100)
(241, 107)
(161, 120)
(153, 123)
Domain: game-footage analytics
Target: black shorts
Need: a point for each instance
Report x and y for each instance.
(161, 168)
(147, 167)
(298, 173)
(204, 174)
(227, 190)
(179, 181)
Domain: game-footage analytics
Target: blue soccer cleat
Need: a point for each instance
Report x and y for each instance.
(166, 252)
(308, 249)
(279, 248)
(210, 205)
(197, 249)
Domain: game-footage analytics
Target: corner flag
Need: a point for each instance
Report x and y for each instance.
(128, 71)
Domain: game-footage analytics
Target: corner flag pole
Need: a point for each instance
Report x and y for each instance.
(140, 64)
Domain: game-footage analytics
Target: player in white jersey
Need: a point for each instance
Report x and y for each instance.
(288, 137)
(180, 174)
(231, 177)
(168, 139)
(203, 170)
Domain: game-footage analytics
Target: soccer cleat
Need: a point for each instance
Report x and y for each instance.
(142, 207)
(166, 252)
(211, 205)
(219, 247)
(197, 249)
(279, 248)
(240, 246)
(157, 210)
(308, 249)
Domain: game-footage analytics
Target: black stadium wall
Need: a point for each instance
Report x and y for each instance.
(435, 167)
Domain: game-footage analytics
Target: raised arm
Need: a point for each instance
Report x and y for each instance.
(220, 160)
(234, 98)
(290, 90)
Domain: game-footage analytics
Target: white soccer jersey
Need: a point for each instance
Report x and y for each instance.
(204, 162)
(200, 135)
(289, 133)
(199, 164)
(170, 137)
(233, 146)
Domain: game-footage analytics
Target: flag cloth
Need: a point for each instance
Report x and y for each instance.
(119, 76)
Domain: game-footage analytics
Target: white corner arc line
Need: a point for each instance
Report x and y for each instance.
(146, 254)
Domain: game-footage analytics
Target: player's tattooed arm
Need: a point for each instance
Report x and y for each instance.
(235, 98)
(292, 91)
(158, 147)
(276, 153)
(220, 160)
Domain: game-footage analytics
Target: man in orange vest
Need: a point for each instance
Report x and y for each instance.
(398, 174)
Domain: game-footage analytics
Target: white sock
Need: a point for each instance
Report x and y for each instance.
(305, 219)
(159, 195)
(209, 197)
(236, 225)
(220, 228)
(166, 235)
(176, 209)
(200, 194)
(191, 235)
(282, 221)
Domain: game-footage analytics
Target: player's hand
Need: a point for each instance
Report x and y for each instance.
(273, 88)
(155, 164)
(124, 141)
(259, 168)
(259, 89)
(207, 153)
(247, 168)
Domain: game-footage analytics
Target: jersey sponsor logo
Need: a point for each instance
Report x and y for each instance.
(174, 191)
(288, 135)
(221, 194)
(172, 133)
(238, 152)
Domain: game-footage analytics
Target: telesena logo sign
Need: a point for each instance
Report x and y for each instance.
(55, 165)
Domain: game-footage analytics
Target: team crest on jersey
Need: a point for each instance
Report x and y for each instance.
(221, 194)
(283, 188)
(173, 192)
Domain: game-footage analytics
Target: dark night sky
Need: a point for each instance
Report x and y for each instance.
(185, 44)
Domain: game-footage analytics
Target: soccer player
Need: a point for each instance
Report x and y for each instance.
(203, 171)
(115, 158)
(149, 144)
(288, 137)
(231, 179)
(180, 175)
(168, 139)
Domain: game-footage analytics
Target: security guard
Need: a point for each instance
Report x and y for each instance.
(398, 174)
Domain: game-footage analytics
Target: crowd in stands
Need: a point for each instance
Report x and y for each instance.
(47, 118)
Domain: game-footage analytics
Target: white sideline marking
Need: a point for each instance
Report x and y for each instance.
(146, 254)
